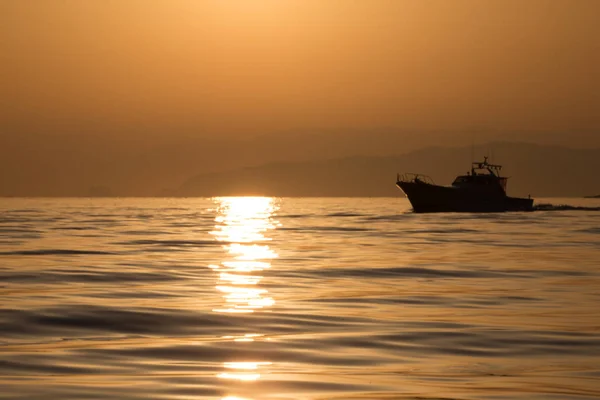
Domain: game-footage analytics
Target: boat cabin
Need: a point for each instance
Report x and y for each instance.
(482, 174)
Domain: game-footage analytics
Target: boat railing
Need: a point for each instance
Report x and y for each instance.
(414, 178)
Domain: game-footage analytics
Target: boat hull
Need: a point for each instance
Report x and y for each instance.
(426, 197)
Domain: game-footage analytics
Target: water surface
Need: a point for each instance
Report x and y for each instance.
(269, 298)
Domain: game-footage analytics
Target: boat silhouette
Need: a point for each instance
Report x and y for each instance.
(483, 189)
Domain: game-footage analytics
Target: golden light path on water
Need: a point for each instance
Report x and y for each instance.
(242, 224)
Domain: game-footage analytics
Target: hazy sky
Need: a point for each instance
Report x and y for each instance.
(229, 67)
(140, 95)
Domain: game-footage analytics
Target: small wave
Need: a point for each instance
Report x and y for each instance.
(145, 233)
(392, 217)
(294, 216)
(25, 211)
(409, 272)
(171, 243)
(73, 228)
(86, 277)
(442, 231)
(47, 366)
(183, 225)
(12, 241)
(143, 216)
(344, 214)
(10, 230)
(85, 320)
(562, 207)
(590, 230)
(95, 319)
(100, 221)
(54, 252)
(10, 220)
(326, 229)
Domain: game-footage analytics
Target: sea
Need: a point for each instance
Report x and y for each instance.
(250, 298)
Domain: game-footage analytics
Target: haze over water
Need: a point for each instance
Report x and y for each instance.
(292, 298)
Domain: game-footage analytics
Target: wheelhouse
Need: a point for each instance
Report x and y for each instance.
(482, 174)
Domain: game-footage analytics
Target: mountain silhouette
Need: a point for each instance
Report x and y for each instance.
(542, 171)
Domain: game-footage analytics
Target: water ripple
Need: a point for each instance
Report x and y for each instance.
(314, 299)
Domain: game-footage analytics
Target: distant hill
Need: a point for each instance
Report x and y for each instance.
(542, 171)
(137, 164)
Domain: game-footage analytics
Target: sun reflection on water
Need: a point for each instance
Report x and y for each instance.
(242, 224)
(234, 398)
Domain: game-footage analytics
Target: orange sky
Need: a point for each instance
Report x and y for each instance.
(231, 67)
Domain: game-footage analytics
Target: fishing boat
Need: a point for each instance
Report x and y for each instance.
(483, 189)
